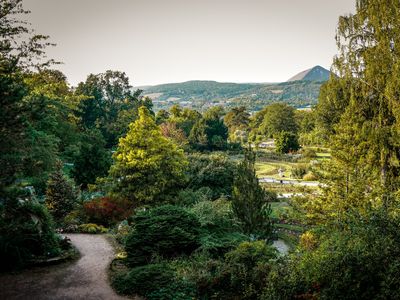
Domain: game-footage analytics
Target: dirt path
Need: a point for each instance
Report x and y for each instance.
(85, 278)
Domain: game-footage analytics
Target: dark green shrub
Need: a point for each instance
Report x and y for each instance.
(166, 231)
(26, 232)
(215, 172)
(189, 197)
(220, 228)
(178, 289)
(242, 274)
(143, 280)
(248, 267)
(155, 282)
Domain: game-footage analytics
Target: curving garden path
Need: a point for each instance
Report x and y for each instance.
(85, 278)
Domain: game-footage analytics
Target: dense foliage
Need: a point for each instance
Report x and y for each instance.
(166, 231)
(197, 225)
(107, 210)
(249, 200)
(154, 281)
(209, 132)
(148, 167)
(93, 160)
(286, 142)
(215, 172)
(61, 195)
(26, 231)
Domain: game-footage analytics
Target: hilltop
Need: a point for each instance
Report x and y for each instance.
(317, 73)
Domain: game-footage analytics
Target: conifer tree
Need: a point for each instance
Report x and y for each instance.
(148, 167)
(249, 200)
(61, 195)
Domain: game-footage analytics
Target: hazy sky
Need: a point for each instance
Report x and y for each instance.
(160, 41)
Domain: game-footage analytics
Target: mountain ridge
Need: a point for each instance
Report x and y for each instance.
(302, 90)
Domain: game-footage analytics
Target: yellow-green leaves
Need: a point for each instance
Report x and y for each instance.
(148, 167)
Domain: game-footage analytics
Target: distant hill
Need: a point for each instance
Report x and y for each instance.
(317, 73)
(204, 94)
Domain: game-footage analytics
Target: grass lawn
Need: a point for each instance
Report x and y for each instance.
(270, 169)
(289, 188)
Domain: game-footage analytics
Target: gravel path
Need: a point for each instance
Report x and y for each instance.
(85, 278)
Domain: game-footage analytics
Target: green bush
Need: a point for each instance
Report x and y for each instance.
(299, 172)
(220, 228)
(203, 270)
(215, 172)
(92, 228)
(216, 215)
(155, 282)
(355, 262)
(165, 231)
(143, 280)
(26, 232)
(241, 274)
(189, 197)
(248, 267)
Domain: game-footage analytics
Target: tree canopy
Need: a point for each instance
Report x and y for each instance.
(274, 119)
(148, 167)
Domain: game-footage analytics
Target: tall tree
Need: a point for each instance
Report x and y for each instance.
(286, 142)
(20, 50)
(249, 201)
(148, 167)
(238, 119)
(61, 195)
(93, 160)
(274, 119)
(51, 127)
(12, 91)
(111, 105)
(366, 138)
(184, 118)
(210, 132)
(19, 45)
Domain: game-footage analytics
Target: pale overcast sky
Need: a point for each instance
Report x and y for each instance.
(161, 41)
